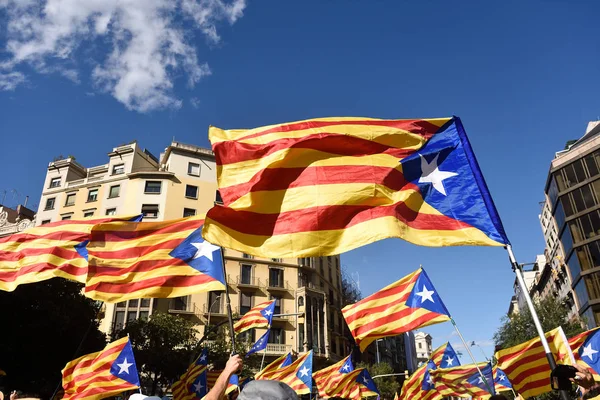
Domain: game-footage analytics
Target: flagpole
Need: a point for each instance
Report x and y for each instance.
(536, 321)
(471, 355)
(228, 300)
(265, 352)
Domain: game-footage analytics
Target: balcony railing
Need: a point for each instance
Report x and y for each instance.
(253, 281)
(84, 181)
(278, 284)
(278, 349)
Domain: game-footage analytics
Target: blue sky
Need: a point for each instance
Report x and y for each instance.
(523, 76)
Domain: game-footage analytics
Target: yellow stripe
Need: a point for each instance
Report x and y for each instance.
(333, 242)
(217, 135)
(148, 240)
(38, 244)
(154, 292)
(128, 226)
(371, 316)
(243, 171)
(350, 194)
(103, 394)
(13, 266)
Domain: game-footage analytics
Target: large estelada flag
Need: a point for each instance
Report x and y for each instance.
(328, 185)
(526, 364)
(272, 369)
(464, 380)
(101, 374)
(260, 316)
(57, 249)
(328, 379)
(131, 260)
(297, 375)
(408, 304)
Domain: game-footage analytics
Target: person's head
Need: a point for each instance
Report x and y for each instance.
(267, 390)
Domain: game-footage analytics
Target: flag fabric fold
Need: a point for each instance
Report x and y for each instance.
(501, 381)
(328, 185)
(57, 249)
(408, 304)
(271, 369)
(328, 379)
(297, 375)
(194, 382)
(101, 374)
(464, 380)
(412, 388)
(259, 316)
(131, 260)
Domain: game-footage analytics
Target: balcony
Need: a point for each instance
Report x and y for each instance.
(180, 306)
(245, 282)
(85, 181)
(278, 349)
(278, 285)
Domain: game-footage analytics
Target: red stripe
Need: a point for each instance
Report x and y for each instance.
(62, 252)
(163, 282)
(231, 152)
(121, 387)
(251, 323)
(140, 266)
(41, 267)
(131, 252)
(518, 379)
(284, 178)
(416, 126)
(409, 326)
(531, 358)
(535, 347)
(327, 218)
(88, 362)
(367, 311)
(138, 230)
(27, 238)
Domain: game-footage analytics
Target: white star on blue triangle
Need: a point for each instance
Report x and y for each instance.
(364, 378)
(448, 176)
(347, 367)
(590, 351)
(203, 358)
(477, 381)
(268, 311)
(260, 344)
(450, 358)
(502, 379)
(287, 361)
(199, 385)
(124, 366)
(305, 372)
(424, 295)
(200, 255)
(428, 383)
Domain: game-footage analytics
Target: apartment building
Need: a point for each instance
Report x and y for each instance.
(181, 182)
(423, 345)
(15, 220)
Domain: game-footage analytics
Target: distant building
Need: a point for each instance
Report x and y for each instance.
(15, 220)
(573, 196)
(423, 347)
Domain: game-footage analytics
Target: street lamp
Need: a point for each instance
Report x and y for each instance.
(210, 308)
(482, 352)
(377, 347)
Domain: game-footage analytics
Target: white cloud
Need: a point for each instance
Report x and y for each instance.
(148, 45)
(195, 102)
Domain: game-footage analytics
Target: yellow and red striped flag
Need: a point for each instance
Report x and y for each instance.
(526, 364)
(354, 385)
(193, 383)
(297, 375)
(403, 306)
(464, 380)
(101, 374)
(413, 388)
(259, 316)
(57, 249)
(271, 369)
(328, 185)
(131, 260)
(584, 353)
(328, 379)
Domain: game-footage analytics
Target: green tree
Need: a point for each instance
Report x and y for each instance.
(519, 328)
(387, 385)
(44, 326)
(163, 347)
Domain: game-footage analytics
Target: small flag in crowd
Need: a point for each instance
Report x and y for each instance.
(408, 304)
(485, 382)
(354, 385)
(462, 380)
(450, 358)
(152, 259)
(193, 381)
(57, 249)
(327, 379)
(274, 367)
(589, 351)
(260, 344)
(297, 375)
(428, 383)
(259, 316)
(329, 185)
(101, 374)
(235, 384)
(501, 381)
(412, 387)
(517, 362)
(576, 343)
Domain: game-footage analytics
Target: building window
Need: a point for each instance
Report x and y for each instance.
(246, 274)
(277, 309)
(55, 182)
(247, 336)
(111, 211)
(245, 303)
(118, 169)
(46, 221)
(150, 210)
(191, 192)
(215, 299)
(114, 191)
(277, 260)
(193, 169)
(92, 195)
(277, 336)
(50, 203)
(66, 217)
(248, 256)
(275, 277)
(152, 187)
(70, 199)
(88, 214)
(420, 345)
(218, 198)
(189, 212)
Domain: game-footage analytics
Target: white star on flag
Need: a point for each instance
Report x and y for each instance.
(431, 174)
(203, 358)
(365, 380)
(346, 367)
(198, 387)
(268, 312)
(425, 294)
(124, 366)
(204, 249)
(430, 380)
(450, 360)
(480, 380)
(304, 371)
(588, 351)
(501, 378)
